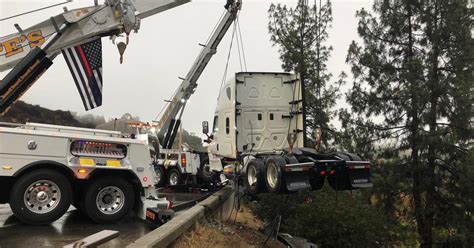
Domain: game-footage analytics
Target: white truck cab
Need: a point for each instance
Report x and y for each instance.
(253, 114)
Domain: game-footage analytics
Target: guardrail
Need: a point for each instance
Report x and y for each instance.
(169, 232)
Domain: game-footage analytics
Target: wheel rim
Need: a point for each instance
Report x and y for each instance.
(158, 176)
(110, 200)
(272, 175)
(206, 171)
(42, 196)
(252, 175)
(173, 178)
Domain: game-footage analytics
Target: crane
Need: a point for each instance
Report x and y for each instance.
(30, 52)
(168, 125)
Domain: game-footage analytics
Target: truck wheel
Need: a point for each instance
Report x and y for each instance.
(40, 197)
(273, 174)
(108, 199)
(253, 180)
(160, 176)
(204, 171)
(174, 178)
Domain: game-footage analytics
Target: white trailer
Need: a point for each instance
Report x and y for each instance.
(46, 168)
(258, 130)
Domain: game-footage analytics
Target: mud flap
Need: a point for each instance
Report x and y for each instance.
(359, 174)
(349, 175)
(297, 176)
(297, 181)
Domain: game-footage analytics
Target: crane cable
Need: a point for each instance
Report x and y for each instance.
(228, 57)
(242, 44)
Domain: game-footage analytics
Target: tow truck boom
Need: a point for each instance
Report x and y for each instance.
(171, 119)
(30, 51)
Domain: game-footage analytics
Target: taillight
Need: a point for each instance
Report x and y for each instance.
(183, 160)
(323, 172)
(170, 204)
(332, 172)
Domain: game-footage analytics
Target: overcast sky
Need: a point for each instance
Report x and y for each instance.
(164, 49)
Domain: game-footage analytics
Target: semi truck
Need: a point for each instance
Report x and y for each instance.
(257, 132)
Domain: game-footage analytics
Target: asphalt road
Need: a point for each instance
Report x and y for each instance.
(72, 227)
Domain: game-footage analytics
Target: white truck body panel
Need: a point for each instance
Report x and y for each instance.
(172, 158)
(253, 114)
(35, 143)
(264, 123)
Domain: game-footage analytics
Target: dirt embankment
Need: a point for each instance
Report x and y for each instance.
(238, 231)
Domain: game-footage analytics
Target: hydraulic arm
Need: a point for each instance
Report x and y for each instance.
(30, 51)
(171, 119)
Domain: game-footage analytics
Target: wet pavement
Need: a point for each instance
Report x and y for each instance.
(71, 227)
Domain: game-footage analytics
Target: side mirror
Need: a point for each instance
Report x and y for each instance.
(205, 127)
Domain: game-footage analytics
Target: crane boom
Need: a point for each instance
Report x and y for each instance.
(171, 119)
(30, 51)
(84, 24)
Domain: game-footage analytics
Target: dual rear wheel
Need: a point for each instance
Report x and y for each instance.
(265, 176)
(42, 196)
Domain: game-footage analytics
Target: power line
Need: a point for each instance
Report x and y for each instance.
(36, 10)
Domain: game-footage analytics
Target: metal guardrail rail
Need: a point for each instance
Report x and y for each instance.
(164, 235)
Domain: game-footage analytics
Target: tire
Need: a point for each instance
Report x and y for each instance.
(291, 160)
(108, 199)
(253, 179)
(274, 175)
(204, 171)
(160, 176)
(52, 194)
(173, 177)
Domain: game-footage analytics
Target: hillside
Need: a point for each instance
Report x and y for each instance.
(22, 112)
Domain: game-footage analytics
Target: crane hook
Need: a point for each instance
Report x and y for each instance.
(121, 48)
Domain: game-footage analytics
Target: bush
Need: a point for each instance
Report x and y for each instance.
(330, 219)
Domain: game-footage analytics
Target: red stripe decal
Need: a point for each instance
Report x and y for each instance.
(84, 60)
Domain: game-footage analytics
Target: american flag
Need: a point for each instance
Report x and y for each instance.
(85, 63)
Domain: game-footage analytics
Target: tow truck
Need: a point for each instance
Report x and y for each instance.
(47, 168)
(177, 166)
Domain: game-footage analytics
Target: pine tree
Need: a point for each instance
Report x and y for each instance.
(301, 34)
(412, 93)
